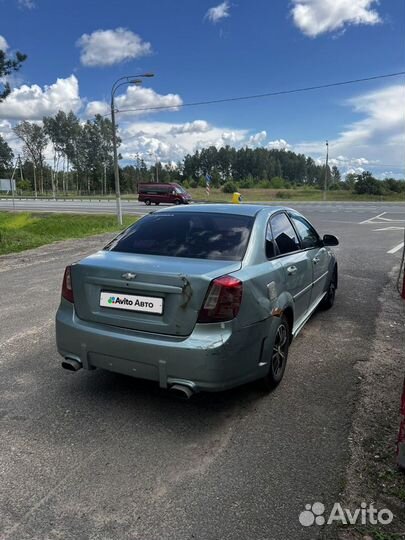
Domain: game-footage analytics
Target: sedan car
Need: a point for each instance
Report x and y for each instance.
(206, 297)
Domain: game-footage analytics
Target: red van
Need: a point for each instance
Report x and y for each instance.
(163, 193)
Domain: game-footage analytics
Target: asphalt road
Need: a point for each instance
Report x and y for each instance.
(99, 206)
(94, 455)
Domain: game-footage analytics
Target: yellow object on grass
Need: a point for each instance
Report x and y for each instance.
(236, 198)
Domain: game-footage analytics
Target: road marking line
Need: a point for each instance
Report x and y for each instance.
(396, 248)
(370, 219)
(390, 229)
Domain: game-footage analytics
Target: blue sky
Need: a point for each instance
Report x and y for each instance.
(202, 50)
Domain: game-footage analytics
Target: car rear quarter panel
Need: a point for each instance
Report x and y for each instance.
(264, 287)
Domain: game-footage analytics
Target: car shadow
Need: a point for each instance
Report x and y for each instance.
(101, 388)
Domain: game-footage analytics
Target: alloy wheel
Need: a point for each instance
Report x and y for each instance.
(280, 348)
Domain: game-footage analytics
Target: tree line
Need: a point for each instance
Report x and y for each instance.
(82, 162)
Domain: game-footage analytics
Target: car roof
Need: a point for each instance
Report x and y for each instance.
(240, 209)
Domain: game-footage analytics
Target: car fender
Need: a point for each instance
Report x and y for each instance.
(332, 266)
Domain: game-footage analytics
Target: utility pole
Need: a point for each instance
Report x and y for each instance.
(325, 186)
(12, 182)
(35, 179)
(156, 175)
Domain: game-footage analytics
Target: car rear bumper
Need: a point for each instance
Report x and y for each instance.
(214, 357)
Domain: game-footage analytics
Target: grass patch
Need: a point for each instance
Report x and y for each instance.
(374, 533)
(25, 230)
(281, 196)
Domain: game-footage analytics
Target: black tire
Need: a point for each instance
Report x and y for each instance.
(177, 202)
(329, 298)
(147, 202)
(279, 355)
(157, 203)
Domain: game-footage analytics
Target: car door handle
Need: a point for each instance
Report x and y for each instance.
(291, 270)
(316, 260)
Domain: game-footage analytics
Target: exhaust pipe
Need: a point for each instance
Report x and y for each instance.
(71, 364)
(182, 391)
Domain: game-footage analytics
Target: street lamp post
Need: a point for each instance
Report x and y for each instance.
(155, 156)
(136, 79)
(325, 184)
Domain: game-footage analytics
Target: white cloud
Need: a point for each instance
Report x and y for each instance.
(97, 107)
(6, 131)
(278, 144)
(390, 174)
(136, 97)
(3, 44)
(376, 140)
(171, 141)
(109, 47)
(258, 138)
(27, 4)
(216, 13)
(198, 126)
(379, 135)
(315, 17)
(33, 102)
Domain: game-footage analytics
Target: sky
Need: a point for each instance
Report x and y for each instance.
(201, 50)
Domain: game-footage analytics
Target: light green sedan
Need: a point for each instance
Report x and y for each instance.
(199, 298)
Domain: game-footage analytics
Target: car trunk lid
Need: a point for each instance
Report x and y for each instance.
(174, 286)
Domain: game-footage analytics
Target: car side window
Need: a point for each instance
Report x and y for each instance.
(308, 235)
(284, 234)
(271, 249)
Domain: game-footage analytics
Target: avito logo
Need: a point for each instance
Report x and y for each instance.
(120, 301)
(315, 514)
(116, 300)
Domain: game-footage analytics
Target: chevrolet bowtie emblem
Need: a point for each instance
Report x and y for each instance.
(129, 275)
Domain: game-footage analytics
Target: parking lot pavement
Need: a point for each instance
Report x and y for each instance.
(96, 455)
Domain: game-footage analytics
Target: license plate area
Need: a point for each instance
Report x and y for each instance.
(131, 302)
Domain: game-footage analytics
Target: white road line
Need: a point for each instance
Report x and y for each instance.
(396, 248)
(371, 219)
(389, 229)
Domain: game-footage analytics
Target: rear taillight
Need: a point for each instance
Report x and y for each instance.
(67, 290)
(223, 300)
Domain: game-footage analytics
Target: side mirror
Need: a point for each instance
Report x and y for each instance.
(330, 240)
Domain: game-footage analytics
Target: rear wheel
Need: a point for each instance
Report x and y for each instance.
(147, 202)
(278, 356)
(329, 298)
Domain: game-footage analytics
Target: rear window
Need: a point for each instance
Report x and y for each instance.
(191, 235)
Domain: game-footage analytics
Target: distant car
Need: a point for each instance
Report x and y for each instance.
(163, 193)
(197, 298)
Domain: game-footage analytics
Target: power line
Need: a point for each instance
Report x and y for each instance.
(261, 96)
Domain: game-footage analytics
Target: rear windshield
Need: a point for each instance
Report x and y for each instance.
(192, 235)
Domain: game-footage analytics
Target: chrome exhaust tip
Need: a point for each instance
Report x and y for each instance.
(71, 364)
(182, 391)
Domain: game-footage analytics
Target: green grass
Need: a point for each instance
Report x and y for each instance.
(284, 195)
(26, 230)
